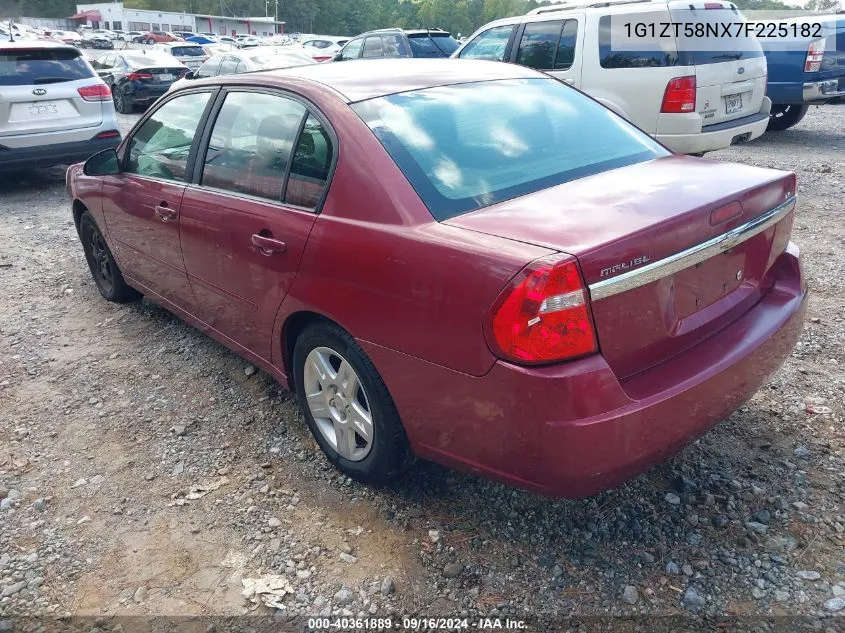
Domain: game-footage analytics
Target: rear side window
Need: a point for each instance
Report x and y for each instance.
(229, 65)
(373, 47)
(548, 45)
(661, 52)
(467, 146)
(251, 144)
(489, 45)
(394, 46)
(34, 67)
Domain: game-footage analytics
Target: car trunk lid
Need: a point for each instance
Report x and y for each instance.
(645, 217)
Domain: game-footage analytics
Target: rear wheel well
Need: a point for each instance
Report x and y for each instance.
(293, 327)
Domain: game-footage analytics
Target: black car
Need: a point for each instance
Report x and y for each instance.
(137, 78)
(386, 43)
(97, 41)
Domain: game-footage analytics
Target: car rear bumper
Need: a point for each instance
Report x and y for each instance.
(574, 429)
(13, 159)
(145, 96)
(720, 135)
(824, 90)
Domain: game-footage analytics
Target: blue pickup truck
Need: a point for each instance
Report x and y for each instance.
(809, 71)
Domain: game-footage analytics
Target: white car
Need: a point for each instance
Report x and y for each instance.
(691, 98)
(192, 55)
(105, 33)
(247, 60)
(323, 48)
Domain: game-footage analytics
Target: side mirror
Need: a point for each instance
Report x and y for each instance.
(338, 57)
(190, 75)
(103, 163)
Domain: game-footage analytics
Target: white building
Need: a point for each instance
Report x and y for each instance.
(114, 16)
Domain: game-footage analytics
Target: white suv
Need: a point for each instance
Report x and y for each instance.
(53, 106)
(690, 100)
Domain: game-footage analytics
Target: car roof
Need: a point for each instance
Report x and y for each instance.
(35, 44)
(407, 31)
(360, 80)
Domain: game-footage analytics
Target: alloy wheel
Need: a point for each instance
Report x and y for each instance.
(338, 403)
(101, 266)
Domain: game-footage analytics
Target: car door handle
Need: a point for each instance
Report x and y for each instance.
(268, 245)
(165, 213)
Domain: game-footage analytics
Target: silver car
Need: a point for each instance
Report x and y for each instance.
(53, 106)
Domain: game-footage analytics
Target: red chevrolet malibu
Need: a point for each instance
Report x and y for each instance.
(464, 261)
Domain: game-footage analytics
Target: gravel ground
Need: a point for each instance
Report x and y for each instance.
(146, 470)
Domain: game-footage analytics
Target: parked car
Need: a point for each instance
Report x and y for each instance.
(691, 100)
(138, 77)
(248, 60)
(158, 37)
(54, 108)
(225, 39)
(184, 34)
(497, 273)
(132, 36)
(66, 37)
(95, 40)
(201, 39)
(192, 55)
(105, 33)
(386, 43)
(809, 71)
(119, 35)
(323, 48)
(248, 41)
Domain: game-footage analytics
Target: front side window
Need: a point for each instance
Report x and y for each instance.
(352, 50)
(467, 146)
(490, 45)
(210, 68)
(310, 167)
(161, 146)
(548, 45)
(251, 144)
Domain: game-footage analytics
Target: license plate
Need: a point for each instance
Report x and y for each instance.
(733, 103)
(43, 109)
(164, 77)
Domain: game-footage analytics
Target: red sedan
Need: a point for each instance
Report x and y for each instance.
(464, 261)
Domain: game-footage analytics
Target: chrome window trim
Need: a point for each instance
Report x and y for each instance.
(690, 257)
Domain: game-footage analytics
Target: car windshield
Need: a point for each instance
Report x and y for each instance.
(433, 44)
(467, 146)
(34, 67)
(187, 51)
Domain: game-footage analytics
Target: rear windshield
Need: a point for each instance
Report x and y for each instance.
(27, 68)
(141, 60)
(743, 45)
(187, 51)
(467, 146)
(433, 44)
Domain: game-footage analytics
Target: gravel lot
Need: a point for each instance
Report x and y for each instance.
(145, 469)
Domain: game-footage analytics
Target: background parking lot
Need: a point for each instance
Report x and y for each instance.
(145, 469)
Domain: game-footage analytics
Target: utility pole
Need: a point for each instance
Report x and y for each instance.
(276, 12)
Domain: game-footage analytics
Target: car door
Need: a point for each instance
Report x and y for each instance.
(551, 46)
(246, 221)
(142, 202)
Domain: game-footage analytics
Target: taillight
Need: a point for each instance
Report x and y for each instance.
(815, 54)
(679, 95)
(108, 134)
(322, 58)
(97, 92)
(542, 316)
(138, 76)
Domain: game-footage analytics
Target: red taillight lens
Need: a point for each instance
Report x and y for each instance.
(108, 134)
(97, 92)
(543, 317)
(138, 76)
(679, 95)
(322, 58)
(815, 55)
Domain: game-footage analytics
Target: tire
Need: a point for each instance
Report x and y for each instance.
(387, 455)
(121, 103)
(783, 117)
(104, 269)
(151, 41)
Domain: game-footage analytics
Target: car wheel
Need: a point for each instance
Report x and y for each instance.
(347, 406)
(121, 103)
(783, 117)
(151, 41)
(104, 269)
